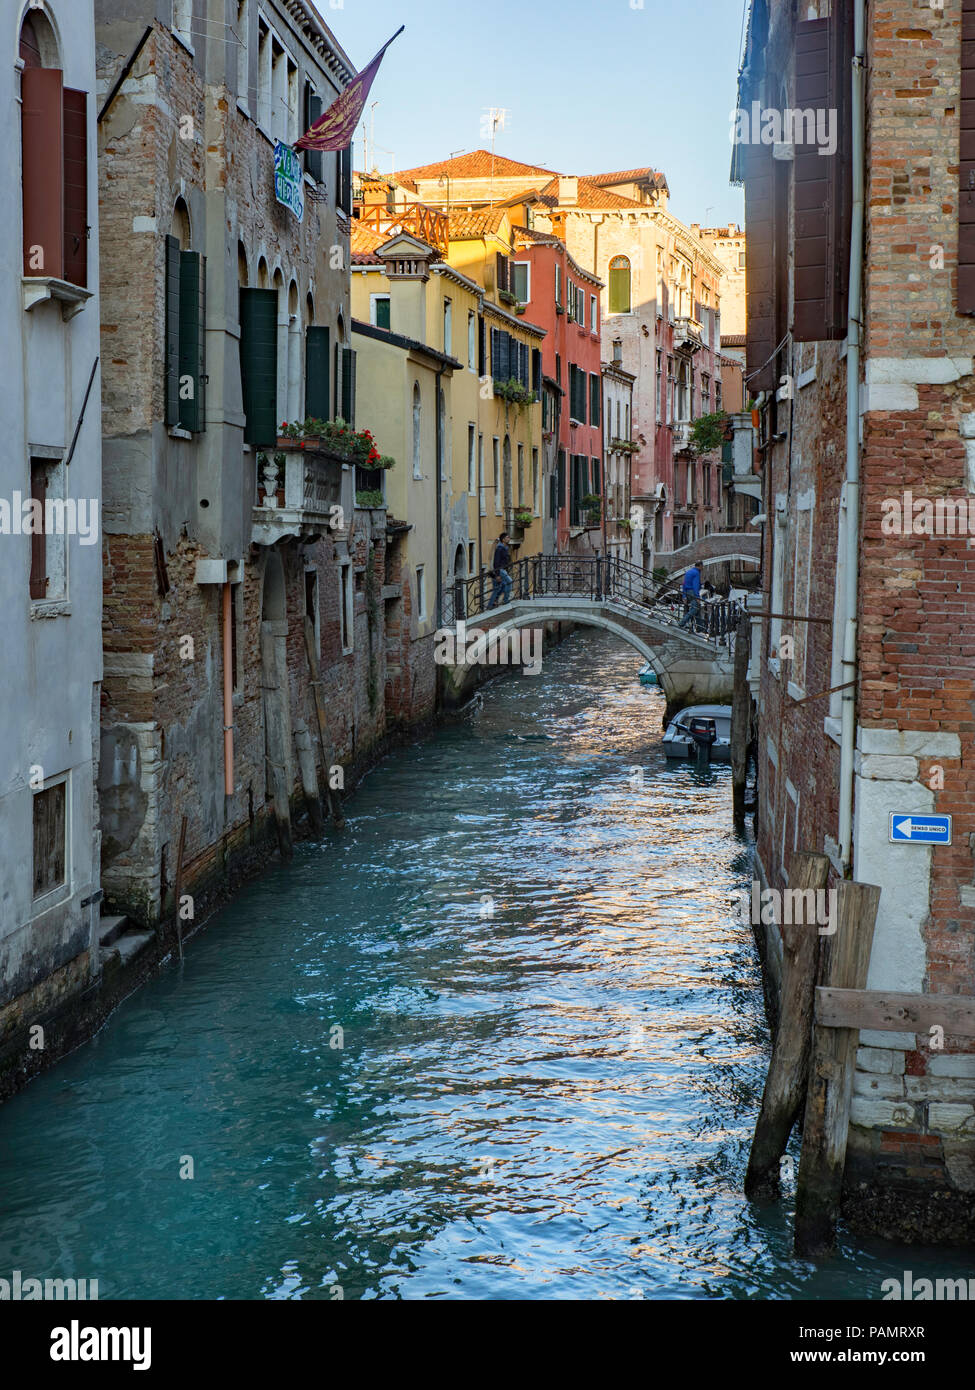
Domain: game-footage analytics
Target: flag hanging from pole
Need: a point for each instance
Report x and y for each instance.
(334, 130)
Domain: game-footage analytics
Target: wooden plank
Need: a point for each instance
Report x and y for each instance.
(827, 1118)
(895, 1013)
(740, 721)
(785, 1085)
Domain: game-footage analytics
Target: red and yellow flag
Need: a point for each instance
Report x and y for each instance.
(335, 128)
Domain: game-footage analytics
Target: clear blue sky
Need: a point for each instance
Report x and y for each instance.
(589, 85)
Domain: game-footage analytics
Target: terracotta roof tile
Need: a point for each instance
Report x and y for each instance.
(469, 226)
(590, 196)
(364, 243)
(475, 164)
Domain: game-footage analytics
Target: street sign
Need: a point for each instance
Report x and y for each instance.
(909, 829)
(288, 182)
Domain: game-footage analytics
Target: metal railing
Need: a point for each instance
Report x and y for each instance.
(597, 578)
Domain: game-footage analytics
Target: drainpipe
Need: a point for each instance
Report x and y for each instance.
(440, 464)
(849, 666)
(228, 695)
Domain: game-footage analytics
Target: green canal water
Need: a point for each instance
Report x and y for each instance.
(553, 1047)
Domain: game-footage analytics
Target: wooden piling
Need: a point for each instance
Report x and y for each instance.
(827, 1115)
(740, 722)
(785, 1085)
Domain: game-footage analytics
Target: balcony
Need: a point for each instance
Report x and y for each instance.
(295, 492)
(427, 224)
(681, 430)
(688, 335)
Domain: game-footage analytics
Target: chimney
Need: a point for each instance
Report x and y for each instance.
(568, 190)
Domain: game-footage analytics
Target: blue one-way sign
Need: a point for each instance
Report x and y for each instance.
(907, 828)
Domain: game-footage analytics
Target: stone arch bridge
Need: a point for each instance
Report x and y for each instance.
(691, 668)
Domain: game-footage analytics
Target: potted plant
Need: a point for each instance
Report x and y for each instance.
(370, 499)
(523, 517)
(593, 507)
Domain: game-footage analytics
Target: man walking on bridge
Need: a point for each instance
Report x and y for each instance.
(691, 589)
(501, 571)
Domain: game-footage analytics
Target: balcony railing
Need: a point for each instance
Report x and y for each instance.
(301, 493)
(428, 224)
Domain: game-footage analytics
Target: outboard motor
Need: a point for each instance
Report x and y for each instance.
(703, 732)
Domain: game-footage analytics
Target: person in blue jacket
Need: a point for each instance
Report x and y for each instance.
(691, 589)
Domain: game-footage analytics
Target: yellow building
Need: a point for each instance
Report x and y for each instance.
(451, 381)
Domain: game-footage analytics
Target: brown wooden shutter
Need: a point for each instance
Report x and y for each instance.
(76, 187)
(38, 540)
(759, 272)
(966, 164)
(43, 162)
(823, 183)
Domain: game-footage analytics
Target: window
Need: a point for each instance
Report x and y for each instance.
(421, 593)
(263, 75)
(471, 558)
(48, 554)
(581, 306)
(521, 475)
(417, 458)
(618, 350)
(317, 361)
(314, 159)
(619, 285)
(594, 399)
(185, 356)
(346, 607)
(521, 281)
(481, 497)
(558, 287)
(496, 460)
(705, 394)
(444, 436)
(345, 381)
(660, 372)
(627, 434)
(577, 394)
(379, 310)
(50, 838)
(593, 313)
(558, 369)
(535, 495)
(243, 51)
(447, 326)
(471, 459)
(537, 371)
(54, 170)
(472, 340)
(258, 364)
(741, 260)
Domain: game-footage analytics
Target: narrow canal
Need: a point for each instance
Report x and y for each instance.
(553, 1047)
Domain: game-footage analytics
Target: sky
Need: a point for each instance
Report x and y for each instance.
(588, 85)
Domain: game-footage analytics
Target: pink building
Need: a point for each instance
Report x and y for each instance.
(565, 299)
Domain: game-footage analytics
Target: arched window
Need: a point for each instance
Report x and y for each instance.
(619, 285)
(180, 227)
(417, 458)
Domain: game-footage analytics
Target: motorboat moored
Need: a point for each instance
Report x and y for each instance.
(678, 743)
(648, 675)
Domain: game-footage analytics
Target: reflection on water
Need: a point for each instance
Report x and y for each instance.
(502, 1037)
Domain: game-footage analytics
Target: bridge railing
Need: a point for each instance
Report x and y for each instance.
(597, 578)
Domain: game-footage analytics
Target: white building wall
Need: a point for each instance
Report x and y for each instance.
(51, 667)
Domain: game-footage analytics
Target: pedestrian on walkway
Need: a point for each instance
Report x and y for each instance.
(691, 589)
(501, 571)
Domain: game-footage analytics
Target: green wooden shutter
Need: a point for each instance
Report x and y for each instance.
(594, 394)
(561, 476)
(536, 370)
(259, 364)
(317, 362)
(481, 346)
(171, 359)
(313, 110)
(192, 341)
(348, 385)
(345, 180)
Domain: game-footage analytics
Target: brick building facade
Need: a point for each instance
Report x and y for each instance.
(226, 313)
(890, 604)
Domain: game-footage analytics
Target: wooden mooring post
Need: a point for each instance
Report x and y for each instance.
(833, 1062)
(785, 1085)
